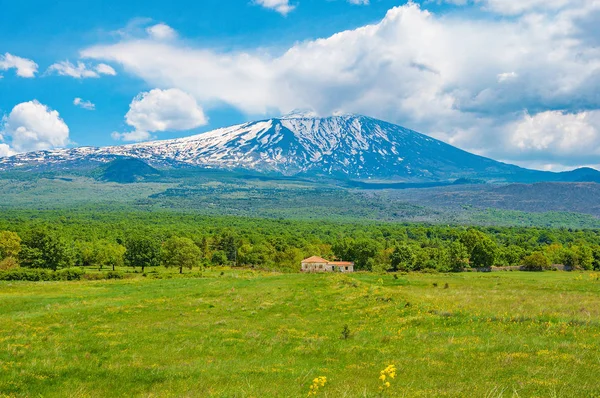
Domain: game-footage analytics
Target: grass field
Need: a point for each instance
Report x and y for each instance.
(251, 334)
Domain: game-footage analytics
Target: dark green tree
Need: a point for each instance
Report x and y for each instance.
(45, 249)
(471, 238)
(484, 254)
(142, 251)
(219, 258)
(402, 259)
(227, 244)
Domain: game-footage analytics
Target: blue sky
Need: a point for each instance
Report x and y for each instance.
(513, 80)
(47, 32)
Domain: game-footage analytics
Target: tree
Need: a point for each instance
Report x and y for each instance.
(579, 257)
(44, 249)
(109, 254)
(536, 262)
(596, 254)
(459, 256)
(585, 257)
(402, 259)
(484, 254)
(219, 258)
(471, 238)
(142, 251)
(180, 253)
(85, 254)
(422, 259)
(510, 255)
(227, 245)
(10, 244)
(363, 253)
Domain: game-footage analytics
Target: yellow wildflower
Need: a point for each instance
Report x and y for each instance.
(389, 371)
(317, 382)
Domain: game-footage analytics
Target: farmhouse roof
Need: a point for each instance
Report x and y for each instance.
(341, 263)
(315, 259)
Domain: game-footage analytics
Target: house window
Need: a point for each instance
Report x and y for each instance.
(346, 268)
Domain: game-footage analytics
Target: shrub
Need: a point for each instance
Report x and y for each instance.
(68, 274)
(8, 263)
(114, 275)
(345, 332)
(35, 275)
(536, 262)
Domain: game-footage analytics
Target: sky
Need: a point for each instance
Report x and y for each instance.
(514, 80)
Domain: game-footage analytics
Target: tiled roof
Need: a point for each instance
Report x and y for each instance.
(315, 259)
(344, 263)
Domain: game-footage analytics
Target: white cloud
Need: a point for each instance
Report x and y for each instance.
(84, 104)
(451, 77)
(5, 150)
(281, 6)
(566, 135)
(25, 67)
(104, 69)
(81, 70)
(359, 2)
(507, 76)
(161, 110)
(133, 136)
(161, 31)
(33, 126)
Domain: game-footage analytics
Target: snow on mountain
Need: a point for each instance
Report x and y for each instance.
(350, 146)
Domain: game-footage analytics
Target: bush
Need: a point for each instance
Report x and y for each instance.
(114, 275)
(36, 275)
(536, 262)
(8, 263)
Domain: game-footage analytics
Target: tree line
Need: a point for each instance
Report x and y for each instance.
(180, 241)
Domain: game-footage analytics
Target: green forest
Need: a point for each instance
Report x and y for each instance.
(107, 240)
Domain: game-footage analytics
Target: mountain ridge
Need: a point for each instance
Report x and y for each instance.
(300, 144)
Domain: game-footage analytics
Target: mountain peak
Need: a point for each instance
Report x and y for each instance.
(311, 114)
(300, 114)
(300, 143)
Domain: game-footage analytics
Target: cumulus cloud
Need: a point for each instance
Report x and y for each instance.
(161, 110)
(567, 135)
(33, 126)
(161, 31)
(84, 104)
(81, 70)
(25, 67)
(5, 150)
(281, 6)
(463, 80)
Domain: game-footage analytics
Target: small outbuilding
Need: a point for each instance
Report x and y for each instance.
(318, 264)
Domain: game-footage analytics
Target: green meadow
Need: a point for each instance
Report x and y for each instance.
(243, 333)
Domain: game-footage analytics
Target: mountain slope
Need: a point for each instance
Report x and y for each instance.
(349, 146)
(127, 170)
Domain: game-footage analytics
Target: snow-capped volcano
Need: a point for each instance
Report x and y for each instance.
(350, 146)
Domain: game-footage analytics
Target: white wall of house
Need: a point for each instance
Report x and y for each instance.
(326, 267)
(316, 267)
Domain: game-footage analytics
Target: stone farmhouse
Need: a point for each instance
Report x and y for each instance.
(318, 264)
